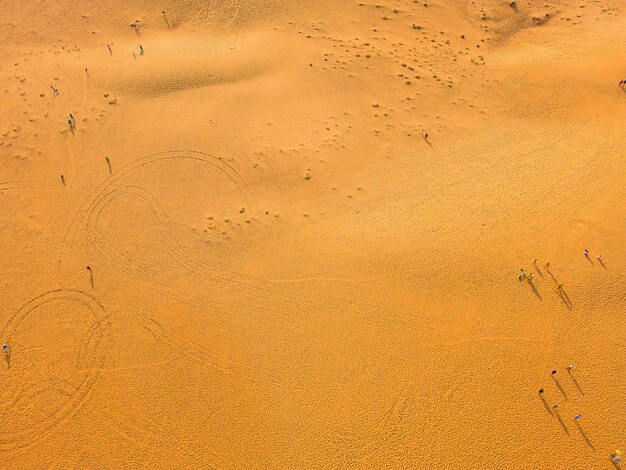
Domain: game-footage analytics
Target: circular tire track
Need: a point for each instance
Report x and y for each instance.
(89, 206)
(90, 360)
(124, 183)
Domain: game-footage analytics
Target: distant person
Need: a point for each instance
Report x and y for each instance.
(569, 367)
(63, 180)
(73, 118)
(522, 274)
(541, 391)
(615, 456)
(5, 347)
(553, 373)
(55, 92)
(110, 49)
(576, 417)
(140, 50)
(587, 253)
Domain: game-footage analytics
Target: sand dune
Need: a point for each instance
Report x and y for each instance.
(244, 252)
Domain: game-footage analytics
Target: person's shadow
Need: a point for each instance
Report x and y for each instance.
(558, 385)
(545, 404)
(582, 433)
(7, 357)
(564, 298)
(558, 417)
(575, 382)
(551, 275)
(534, 289)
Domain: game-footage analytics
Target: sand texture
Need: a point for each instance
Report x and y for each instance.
(287, 234)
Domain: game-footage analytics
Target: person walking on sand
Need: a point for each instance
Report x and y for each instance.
(553, 373)
(541, 391)
(55, 92)
(569, 367)
(586, 253)
(522, 274)
(73, 118)
(63, 180)
(110, 49)
(140, 49)
(576, 417)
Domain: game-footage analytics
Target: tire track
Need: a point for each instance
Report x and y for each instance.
(92, 355)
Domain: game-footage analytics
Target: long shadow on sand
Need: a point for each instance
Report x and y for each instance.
(545, 404)
(552, 276)
(558, 385)
(533, 288)
(564, 298)
(582, 433)
(576, 383)
(558, 417)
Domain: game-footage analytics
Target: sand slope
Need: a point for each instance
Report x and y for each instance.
(283, 273)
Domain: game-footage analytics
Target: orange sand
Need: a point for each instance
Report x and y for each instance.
(284, 273)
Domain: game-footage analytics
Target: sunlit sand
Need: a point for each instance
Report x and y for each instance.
(291, 234)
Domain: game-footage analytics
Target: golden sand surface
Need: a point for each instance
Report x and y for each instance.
(244, 253)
